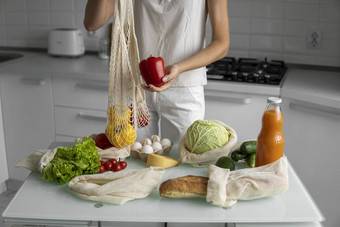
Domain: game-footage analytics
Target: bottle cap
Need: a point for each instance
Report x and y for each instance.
(274, 100)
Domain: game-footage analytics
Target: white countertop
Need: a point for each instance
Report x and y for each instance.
(318, 86)
(313, 86)
(41, 202)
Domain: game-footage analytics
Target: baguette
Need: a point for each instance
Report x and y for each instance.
(184, 187)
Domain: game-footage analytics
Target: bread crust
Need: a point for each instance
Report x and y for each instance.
(184, 187)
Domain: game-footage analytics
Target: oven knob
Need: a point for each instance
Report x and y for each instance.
(267, 78)
(256, 77)
(234, 75)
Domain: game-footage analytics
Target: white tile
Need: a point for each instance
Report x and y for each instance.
(266, 27)
(299, 28)
(296, 45)
(299, 59)
(239, 25)
(62, 20)
(38, 5)
(266, 43)
(267, 9)
(238, 53)
(301, 11)
(39, 19)
(37, 33)
(62, 5)
(37, 43)
(2, 32)
(16, 5)
(16, 32)
(330, 30)
(80, 5)
(304, 1)
(2, 18)
(330, 47)
(269, 55)
(17, 42)
(239, 8)
(3, 42)
(239, 42)
(330, 12)
(16, 19)
(79, 20)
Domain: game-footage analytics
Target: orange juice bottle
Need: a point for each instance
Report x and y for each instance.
(270, 141)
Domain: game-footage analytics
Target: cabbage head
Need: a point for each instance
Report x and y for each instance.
(205, 135)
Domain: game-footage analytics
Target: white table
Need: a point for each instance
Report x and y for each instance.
(44, 203)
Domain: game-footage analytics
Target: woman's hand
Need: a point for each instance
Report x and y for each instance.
(171, 73)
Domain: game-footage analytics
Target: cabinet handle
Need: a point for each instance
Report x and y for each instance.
(93, 86)
(302, 105)
(92, 116)
(224, 97)
(32, 81)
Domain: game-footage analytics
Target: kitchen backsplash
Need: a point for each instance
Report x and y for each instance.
(297, 31)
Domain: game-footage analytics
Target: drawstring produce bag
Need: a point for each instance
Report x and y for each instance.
(225, 187)
(127, 110)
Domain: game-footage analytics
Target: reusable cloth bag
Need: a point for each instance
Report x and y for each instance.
(209, 157)
(225, 187)
(117, 187)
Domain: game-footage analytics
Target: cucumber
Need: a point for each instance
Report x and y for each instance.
(237, 155)
(250, 159)
(248, 147)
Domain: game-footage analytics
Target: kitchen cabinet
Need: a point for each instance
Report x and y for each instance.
(238, 105)
(79, 106)
(311, 111)
(27, 116)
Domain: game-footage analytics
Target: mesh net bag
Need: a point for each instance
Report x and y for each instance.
(127, 110)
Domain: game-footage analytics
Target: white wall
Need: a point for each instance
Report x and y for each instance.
(3, 159)
(273, 28)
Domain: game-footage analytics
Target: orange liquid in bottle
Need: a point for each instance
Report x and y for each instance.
(270, 141)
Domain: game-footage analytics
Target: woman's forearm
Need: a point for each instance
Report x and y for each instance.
(97, 13)
(220, 40)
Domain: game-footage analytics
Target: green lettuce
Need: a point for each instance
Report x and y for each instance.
(205, 135)
(70, 162)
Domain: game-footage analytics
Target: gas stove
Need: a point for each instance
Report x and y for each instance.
(247, 70)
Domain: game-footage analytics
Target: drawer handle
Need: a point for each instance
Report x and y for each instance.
(93, 86)
(302, 105)
(92, 116)
(32, 81)
(220, 96)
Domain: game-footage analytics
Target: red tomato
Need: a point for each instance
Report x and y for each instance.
(113, 160)
(108, 166)
(102, 141)
(101, 168)
(102, 162)
(123, 164)
(116, 167)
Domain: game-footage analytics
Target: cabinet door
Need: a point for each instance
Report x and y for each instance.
(312, 138)
(242, 112)
(28, 118)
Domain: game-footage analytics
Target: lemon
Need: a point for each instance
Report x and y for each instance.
(226, 163)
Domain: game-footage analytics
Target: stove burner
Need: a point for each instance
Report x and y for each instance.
(247, 70)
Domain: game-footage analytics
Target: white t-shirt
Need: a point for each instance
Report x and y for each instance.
(174, 30)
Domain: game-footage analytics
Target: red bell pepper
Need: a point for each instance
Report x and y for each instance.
(152, 70)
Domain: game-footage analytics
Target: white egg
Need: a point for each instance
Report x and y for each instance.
(165, 142)
(136, 146)
(146, 141)
(156, 146)
(147, 149)
(155, 138)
